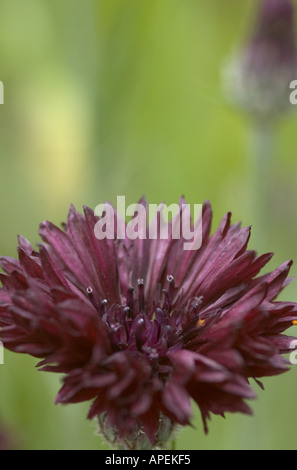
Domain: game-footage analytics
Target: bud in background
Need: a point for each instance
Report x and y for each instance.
(258, 78)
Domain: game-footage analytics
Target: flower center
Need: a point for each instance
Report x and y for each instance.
(151, 328)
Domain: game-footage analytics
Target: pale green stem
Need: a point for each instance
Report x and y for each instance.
(263, 149)
(173, 444)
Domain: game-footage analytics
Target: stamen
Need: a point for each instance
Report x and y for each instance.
(91, 296)
(160, 315)
(194, 303)
(103, 307)
(138, 333)
(168, 293)
(130, 299)
(171, 281)
(167, 303)
(294, 322)
(141, 301)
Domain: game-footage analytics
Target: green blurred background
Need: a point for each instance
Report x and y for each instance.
(124, 97)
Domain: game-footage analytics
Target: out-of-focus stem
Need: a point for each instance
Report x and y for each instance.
(262, 150)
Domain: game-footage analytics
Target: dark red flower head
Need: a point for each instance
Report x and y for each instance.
(141, 326)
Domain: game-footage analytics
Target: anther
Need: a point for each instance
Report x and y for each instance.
(129, 298)
(170, 279)
(194, 303)
(168, 293)
(138, 333)
(141, 301)
(91, 296)
(103, 307)
(167, 303)
(160, 316)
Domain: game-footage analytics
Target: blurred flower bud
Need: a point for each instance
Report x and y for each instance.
(258, 78)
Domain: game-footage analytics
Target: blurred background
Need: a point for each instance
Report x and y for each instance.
(112, 97)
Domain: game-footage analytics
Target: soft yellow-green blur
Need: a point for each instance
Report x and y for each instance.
(124, 97)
